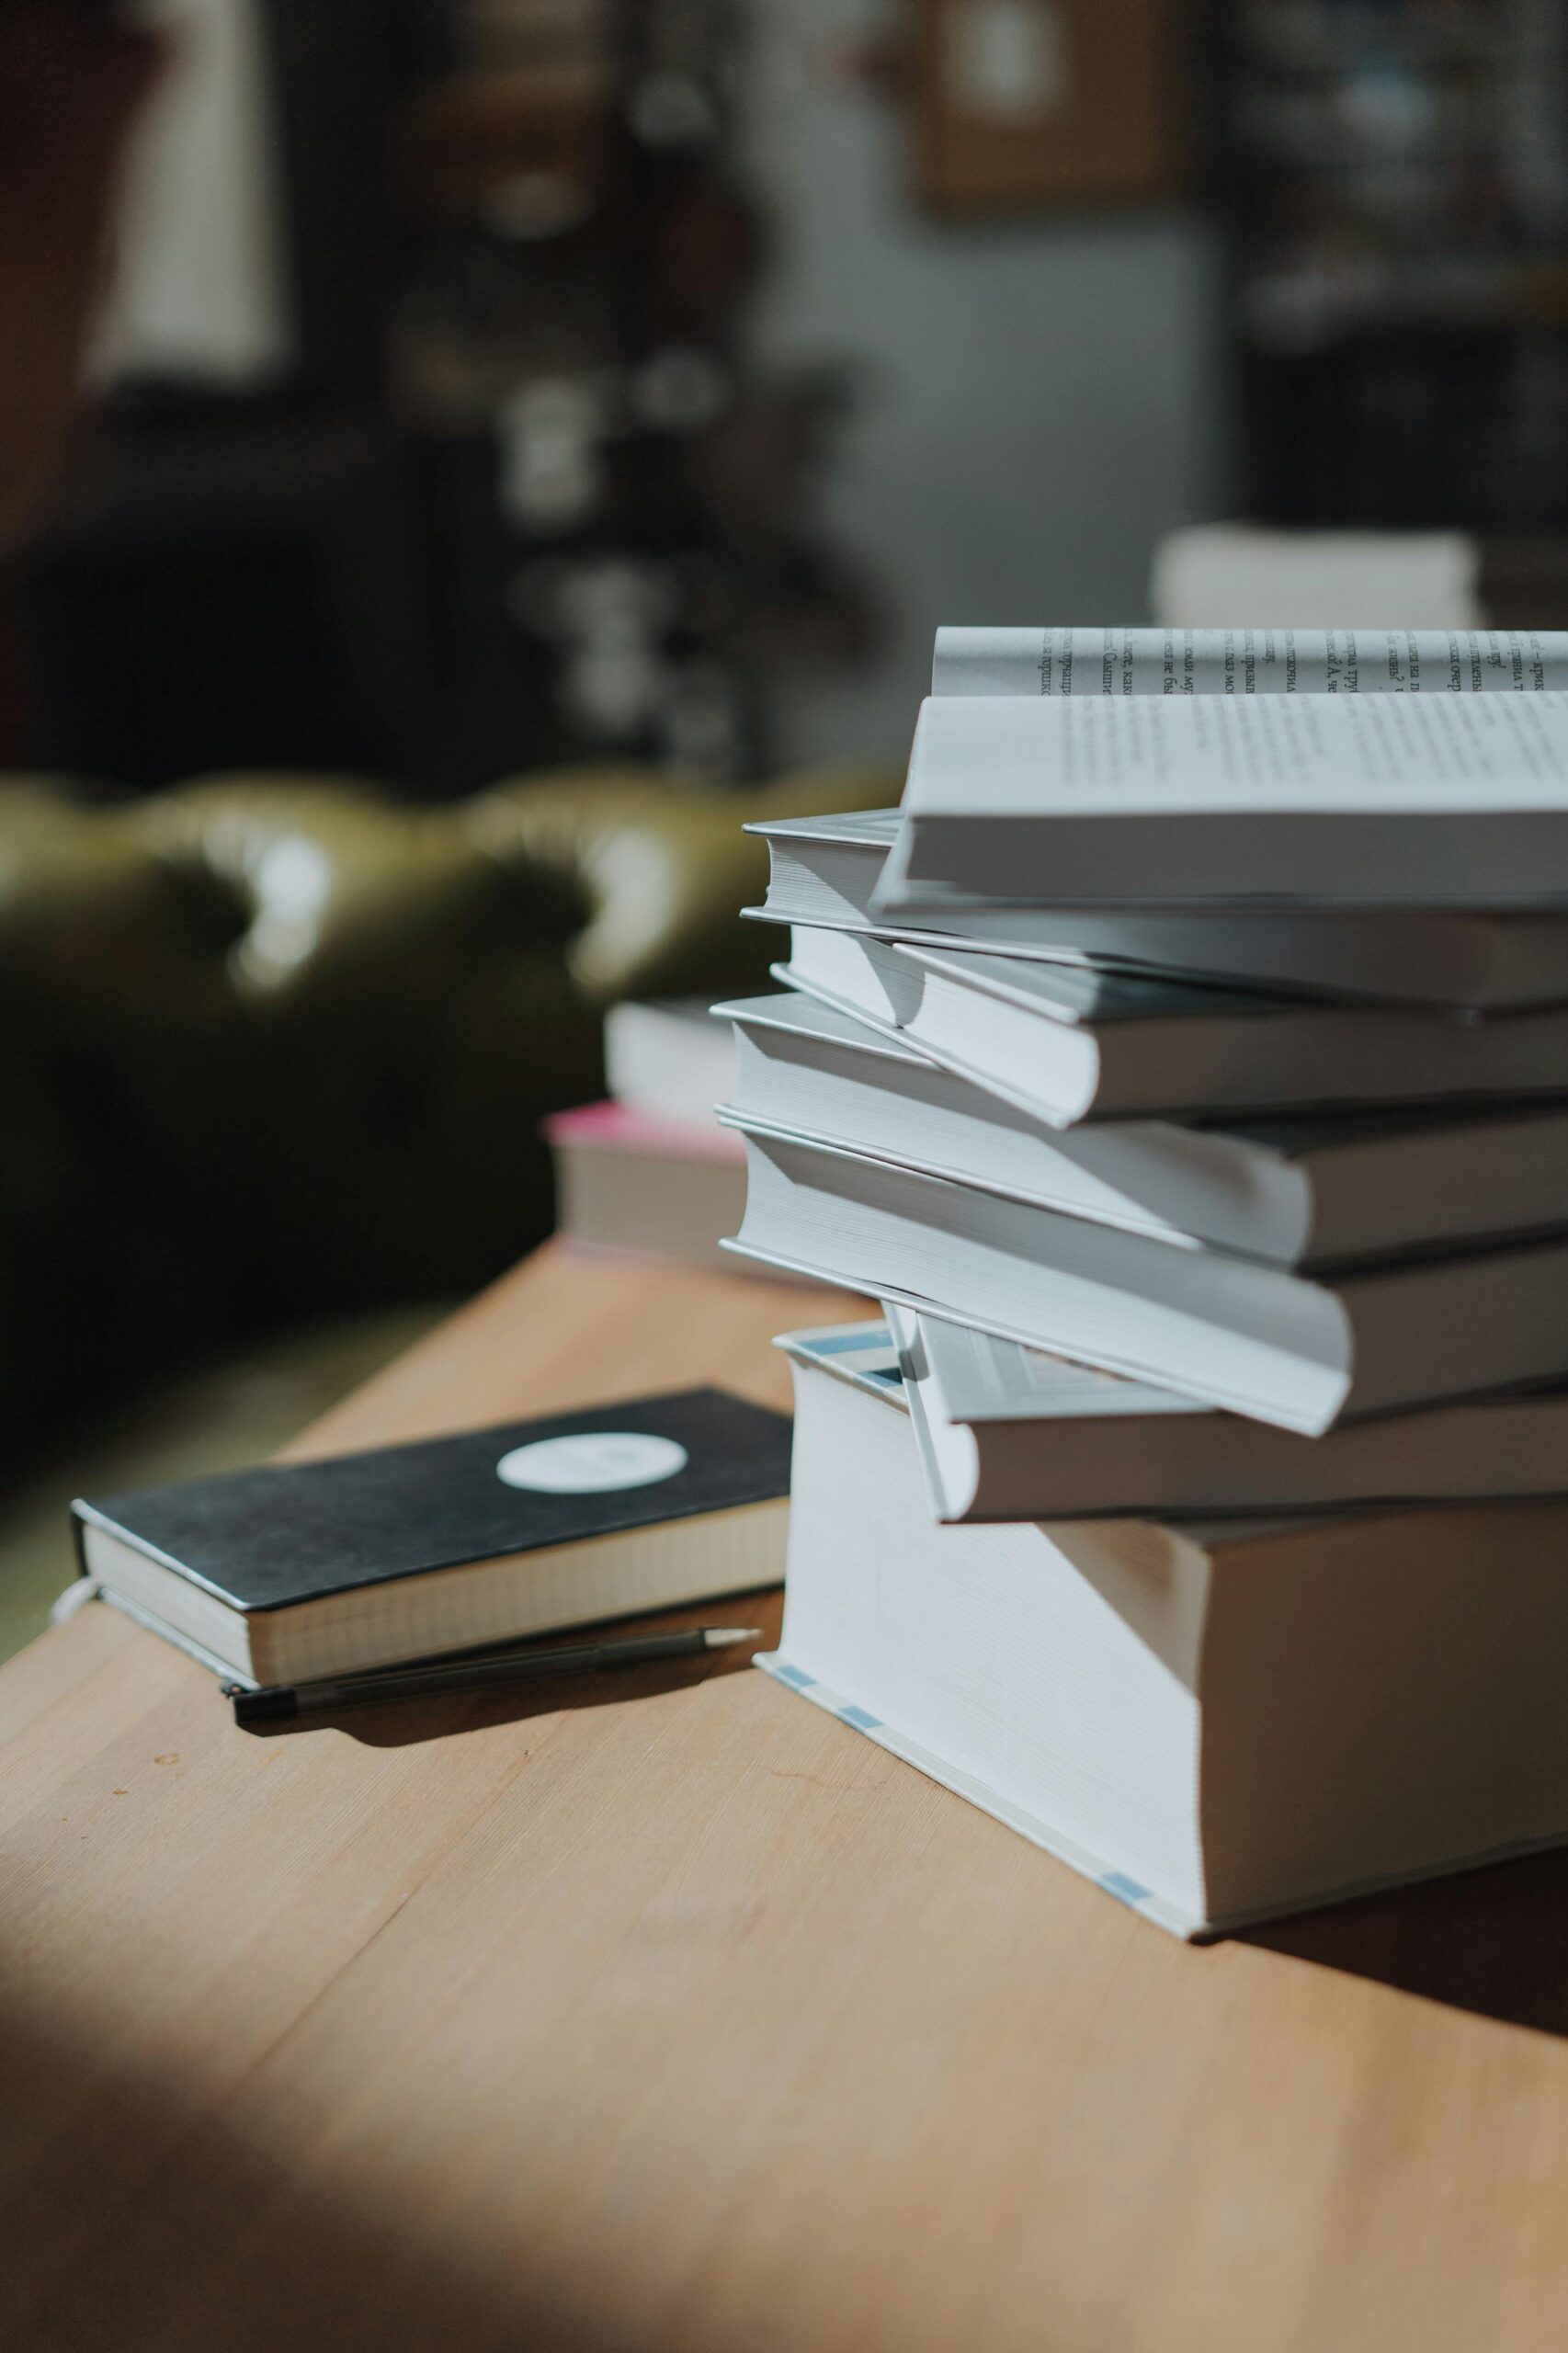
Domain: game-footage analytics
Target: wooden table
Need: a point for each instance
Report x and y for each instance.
(678, 2015)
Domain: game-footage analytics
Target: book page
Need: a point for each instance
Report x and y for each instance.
(1009, 756)
(983, 1377)
(1247, 662)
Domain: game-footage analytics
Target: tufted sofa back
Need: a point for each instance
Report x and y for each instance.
(271, 1045)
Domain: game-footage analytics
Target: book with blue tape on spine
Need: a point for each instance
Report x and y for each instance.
(1216, 1722)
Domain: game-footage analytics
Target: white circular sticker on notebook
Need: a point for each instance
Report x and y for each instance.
(594, 1464)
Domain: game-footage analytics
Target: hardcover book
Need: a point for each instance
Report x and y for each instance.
(1215, 1721)
(1069, 1044)
(825, 871)
(1008, 1433)
(1370, 1339)
(629, 1182)
(1297, 1191)
(294, 1571)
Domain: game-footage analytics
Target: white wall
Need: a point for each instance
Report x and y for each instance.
(197, 288)
(1041, 398)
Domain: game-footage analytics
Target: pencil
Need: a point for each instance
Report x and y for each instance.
(282, 1702)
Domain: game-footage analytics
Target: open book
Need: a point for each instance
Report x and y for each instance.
(1456, 801)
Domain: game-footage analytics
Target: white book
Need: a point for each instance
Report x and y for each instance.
(1370, 800)
(825, 870)
(1214, 1723)
(1348, 580)
(1004, 1432)
(1230, 1332)
(1296, 1191)
(1119, 661)
(665, 1057)
(1068, 1044)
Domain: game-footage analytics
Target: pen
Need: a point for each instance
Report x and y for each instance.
(280, 1702)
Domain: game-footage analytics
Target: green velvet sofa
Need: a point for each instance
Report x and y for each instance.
(277, 1047)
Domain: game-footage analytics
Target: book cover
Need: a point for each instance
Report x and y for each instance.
(286, 1533)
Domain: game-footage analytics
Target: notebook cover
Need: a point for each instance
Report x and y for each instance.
(286, 1533)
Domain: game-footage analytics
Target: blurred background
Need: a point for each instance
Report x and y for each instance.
(529, 436)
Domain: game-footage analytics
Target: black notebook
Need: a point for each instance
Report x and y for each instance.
(293, 1570)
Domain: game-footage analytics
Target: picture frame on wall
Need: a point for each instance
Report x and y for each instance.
(1022, 106)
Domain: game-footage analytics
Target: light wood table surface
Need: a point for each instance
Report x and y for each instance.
(674, 2015)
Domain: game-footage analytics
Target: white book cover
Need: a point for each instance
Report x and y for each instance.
(667, 1057)
(1176, 1920)
(1068, 1678)
(1007, 1432)
(1049, 1837)
(825, 871)
(1234, 1333)
(1067, 1045)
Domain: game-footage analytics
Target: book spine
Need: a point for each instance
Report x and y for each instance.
(1137, 1898)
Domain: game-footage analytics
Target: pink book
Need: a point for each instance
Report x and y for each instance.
(612, 1126)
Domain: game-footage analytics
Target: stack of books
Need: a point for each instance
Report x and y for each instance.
(1184, 1067)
